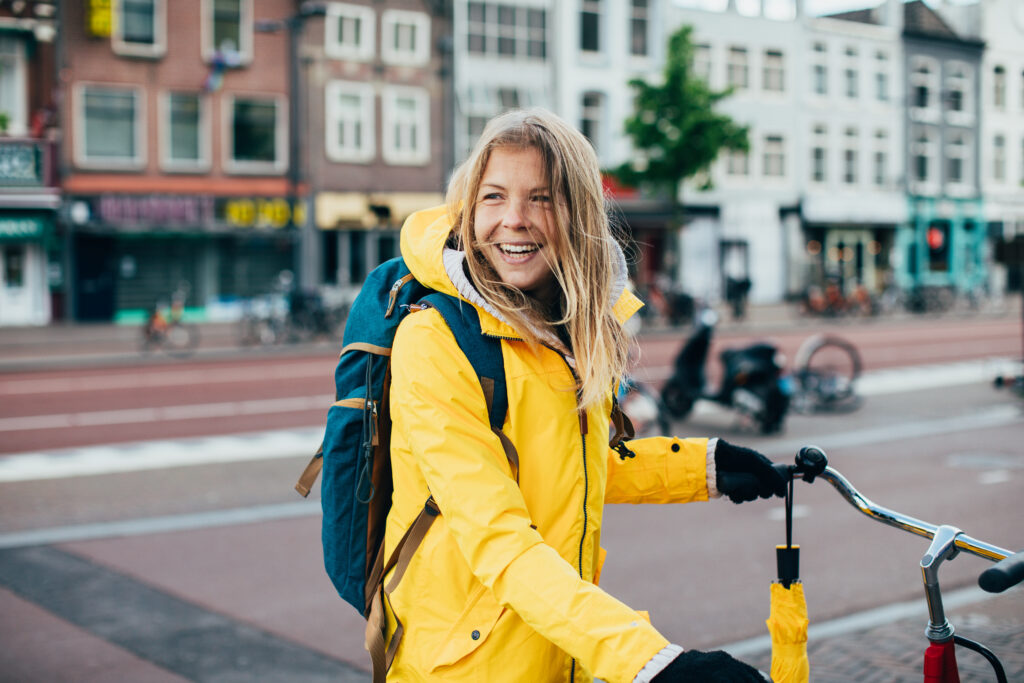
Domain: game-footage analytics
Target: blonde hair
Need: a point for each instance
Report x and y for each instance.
(585, 258)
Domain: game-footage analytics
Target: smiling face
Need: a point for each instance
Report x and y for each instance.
(514, 221)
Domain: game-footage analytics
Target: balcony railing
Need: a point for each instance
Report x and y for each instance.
(27, 163)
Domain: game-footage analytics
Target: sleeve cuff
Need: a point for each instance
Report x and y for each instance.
(713, 491)
(658, 663)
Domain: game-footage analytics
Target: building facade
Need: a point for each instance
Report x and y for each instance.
(176, 154)
(381, 117)
(30, 268)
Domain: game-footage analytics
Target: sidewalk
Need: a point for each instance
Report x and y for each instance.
(70, 344)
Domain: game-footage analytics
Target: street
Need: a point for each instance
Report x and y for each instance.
(149, 530)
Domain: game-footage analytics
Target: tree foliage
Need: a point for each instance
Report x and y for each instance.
(675, 130)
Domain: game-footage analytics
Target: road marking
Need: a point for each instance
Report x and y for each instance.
(994, 477)
(153, 455)
(166, 378)
(192, 411)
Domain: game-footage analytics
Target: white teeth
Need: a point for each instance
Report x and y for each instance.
(518, 248)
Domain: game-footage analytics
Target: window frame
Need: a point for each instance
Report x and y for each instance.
(930, 79)
(639, 24)
(82, 160)
(882, 77)
(819, 143)
(365, 49)
(957, 147)
(280, 163)
(168, 164)
(736, 66)
(880, 159)
(923, 144)
(420, 21)
(335, 152)
(851, 156)
(420, 155)
(773, 65)
(999, 174)
(594, 114)
(13, 51)
(595, 8)
(157, 49)
(819, 69)
(243, 54)
(773, 156)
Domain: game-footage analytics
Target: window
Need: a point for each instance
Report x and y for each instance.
(882, 77)
(851, 75)
(923, 84)
(702, 62)
(139, 28)
(850, 157)
(591, 116)
(349, 32)
(881, 158)
(405, 37)
(819, 155)
(1022, 90)
(12, 83)
(737, 163)
(111, 126)
(957, 88)
(999, 158)
(638, 23)
(350, 121)
(14, 266)
(184, 139)
(819, 69)
(774, 71)
(257, 135)
(506, 31)
(736, 73)
(999, 88)
(922, 153)
(956, 158)
(227, 27)
(405, 117)
(590, 25)
(774, 156)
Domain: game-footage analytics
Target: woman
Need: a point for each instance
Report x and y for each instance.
(504, 585)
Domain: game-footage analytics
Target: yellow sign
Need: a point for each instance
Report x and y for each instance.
(261, 213)
(99, 18)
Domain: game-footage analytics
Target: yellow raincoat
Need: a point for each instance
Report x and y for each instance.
(503, 587)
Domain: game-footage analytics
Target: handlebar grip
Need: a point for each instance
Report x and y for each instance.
(1004, 574)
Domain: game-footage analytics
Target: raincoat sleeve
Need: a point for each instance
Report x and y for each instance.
(444, 416)
(664, 470)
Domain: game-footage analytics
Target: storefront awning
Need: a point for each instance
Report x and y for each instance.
(348, 210)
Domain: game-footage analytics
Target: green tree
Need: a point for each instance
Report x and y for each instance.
(675, 130)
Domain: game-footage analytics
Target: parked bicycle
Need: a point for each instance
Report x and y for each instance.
(165, 328)
(946, 543)
(824, 376)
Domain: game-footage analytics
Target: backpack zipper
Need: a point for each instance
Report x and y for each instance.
(393, 293)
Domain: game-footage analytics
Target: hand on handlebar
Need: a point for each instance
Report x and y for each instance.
(743, 474)
(712, 667)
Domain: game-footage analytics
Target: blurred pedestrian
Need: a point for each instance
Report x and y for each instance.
(503, 586)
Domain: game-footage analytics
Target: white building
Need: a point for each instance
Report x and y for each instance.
(1002, 122)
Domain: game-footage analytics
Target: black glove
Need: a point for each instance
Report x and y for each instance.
(710, 667)
(744, 474)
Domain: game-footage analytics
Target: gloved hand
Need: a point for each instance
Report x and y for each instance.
(709, 667)
(744, 474)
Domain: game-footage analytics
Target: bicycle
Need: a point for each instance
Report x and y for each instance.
(946, 542)
(169, 331)
(826, 369)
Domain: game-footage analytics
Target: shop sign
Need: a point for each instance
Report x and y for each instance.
(21, 228)
(20, 164)
(184, 212)
(98, 18)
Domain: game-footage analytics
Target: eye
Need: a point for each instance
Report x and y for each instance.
(491, 197)
(542, 198)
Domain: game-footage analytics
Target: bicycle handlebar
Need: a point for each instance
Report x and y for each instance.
(811, 462)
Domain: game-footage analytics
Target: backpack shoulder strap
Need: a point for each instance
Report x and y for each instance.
(483, 352)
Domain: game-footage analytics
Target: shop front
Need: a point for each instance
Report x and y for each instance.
(24, 283)
(943, 246)
(132, 252)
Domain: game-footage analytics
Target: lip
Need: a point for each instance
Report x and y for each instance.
(517, 258)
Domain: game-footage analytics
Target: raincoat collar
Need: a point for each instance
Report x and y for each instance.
(423, 241)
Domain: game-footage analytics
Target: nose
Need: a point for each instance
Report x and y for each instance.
(515, 215)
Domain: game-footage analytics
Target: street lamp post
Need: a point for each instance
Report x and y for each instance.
(305, 250)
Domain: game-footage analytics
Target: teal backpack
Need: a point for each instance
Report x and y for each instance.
(355, 453)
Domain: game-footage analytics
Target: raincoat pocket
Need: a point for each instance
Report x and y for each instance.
(470, 630)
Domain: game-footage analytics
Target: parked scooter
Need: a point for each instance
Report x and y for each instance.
(752, 379)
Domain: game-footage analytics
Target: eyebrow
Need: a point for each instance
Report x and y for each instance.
(542, 188)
